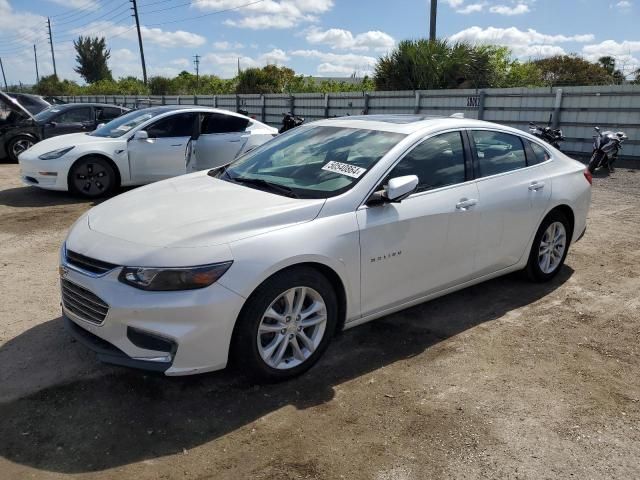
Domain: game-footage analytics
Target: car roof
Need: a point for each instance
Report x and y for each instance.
(405, 123)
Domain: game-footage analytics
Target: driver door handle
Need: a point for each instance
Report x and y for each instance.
(176, 145)
(466, 203)
(535, 186)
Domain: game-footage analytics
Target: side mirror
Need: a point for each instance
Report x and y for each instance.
(100, 125)
(399, 188)
(141, 135)
(52, 124)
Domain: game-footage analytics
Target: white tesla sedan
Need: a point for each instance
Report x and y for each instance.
(141, 147)
(328, 226)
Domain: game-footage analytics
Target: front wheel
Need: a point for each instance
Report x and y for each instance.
(595, 161)
(550, 248)
(286, 325)
(92, 177)
(18, 145)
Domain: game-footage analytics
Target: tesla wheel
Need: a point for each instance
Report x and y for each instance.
(286, 325)
(92, 177)
(550, 247)
(18, 145)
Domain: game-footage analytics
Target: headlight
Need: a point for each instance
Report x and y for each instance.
(167, 279)
(55, 153)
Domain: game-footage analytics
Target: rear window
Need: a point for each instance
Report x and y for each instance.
(498, 152)
(221, 123)
(539, 154)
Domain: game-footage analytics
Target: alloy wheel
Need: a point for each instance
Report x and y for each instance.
(552, 247)
(91, 179)
(20, 146)
(292, 328)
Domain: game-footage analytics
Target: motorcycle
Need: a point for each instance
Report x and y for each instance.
(550, 135)
(606, 146)
(289, 121)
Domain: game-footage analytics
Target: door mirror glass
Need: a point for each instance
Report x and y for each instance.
(141, 135)
(399, 188)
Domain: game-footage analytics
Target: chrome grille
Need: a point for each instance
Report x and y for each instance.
(83, 303)
(88, 264)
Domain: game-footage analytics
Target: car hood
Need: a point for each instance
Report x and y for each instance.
(69, 140)
(13, 104)
(197, 210)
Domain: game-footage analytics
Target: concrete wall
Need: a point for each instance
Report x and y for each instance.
(576, 109)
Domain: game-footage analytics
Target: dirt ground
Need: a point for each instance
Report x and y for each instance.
(503, 380)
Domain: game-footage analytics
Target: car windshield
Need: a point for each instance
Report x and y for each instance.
(312, 162)
(121, 125)
(48, 113)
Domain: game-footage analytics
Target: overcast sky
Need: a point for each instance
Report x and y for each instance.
(314, 37)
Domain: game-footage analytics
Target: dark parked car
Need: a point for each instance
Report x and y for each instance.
(20, 129)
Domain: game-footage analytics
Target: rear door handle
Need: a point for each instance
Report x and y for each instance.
(535, 186)
(466, 203)
(176, 145)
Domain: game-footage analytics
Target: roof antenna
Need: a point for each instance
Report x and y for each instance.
(457, 115)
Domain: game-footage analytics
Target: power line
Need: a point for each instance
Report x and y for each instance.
(118, 8)
(206, 14)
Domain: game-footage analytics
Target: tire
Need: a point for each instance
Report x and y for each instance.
(538, 269)
(17, 145)
(596, 158)
(259, 337)
(92, 177)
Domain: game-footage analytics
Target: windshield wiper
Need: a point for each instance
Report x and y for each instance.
(259, 182)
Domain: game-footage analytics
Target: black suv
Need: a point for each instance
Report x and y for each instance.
(20, 129)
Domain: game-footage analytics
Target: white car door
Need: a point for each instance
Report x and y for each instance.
(514, 190)
(221, 139)
(162, 155)
(426, 242)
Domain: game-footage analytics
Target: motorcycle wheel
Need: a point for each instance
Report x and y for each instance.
(595, 161)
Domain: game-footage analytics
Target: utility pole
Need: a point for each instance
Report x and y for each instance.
(432, 24)
(35, 56)
(53, 55)
(135, 15)
(3, 77)
(239, 66)
(196, 62)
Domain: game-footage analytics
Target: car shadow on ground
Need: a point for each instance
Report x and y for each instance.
(36, 197)
(125, 416)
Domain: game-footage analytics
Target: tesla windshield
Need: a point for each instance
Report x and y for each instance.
(121, 125)
(312, 162)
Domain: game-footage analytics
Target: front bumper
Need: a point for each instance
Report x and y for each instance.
(197, 323)
(48, 174)
(108, 353)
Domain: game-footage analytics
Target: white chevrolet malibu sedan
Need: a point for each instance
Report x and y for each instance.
(141, 147)
(330, 225)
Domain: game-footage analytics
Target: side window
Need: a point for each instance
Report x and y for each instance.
(74, 115)
(178, 125)
(221, 123)
(498, 152)
(437, 162)
(539, 154)
(106, 114)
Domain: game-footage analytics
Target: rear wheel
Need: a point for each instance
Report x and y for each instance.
(17, 145)
(286, 325)
(550, 248)
(92, 177)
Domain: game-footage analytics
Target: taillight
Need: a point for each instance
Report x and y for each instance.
(588, 176)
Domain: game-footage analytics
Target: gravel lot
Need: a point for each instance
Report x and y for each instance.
(503, 380)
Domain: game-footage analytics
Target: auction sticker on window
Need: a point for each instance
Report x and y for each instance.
(344, 169)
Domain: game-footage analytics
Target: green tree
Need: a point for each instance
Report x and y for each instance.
(609, 64)
(92, 55)
(572, 70)
(425, 64)
(52, 85)
(269, 79)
